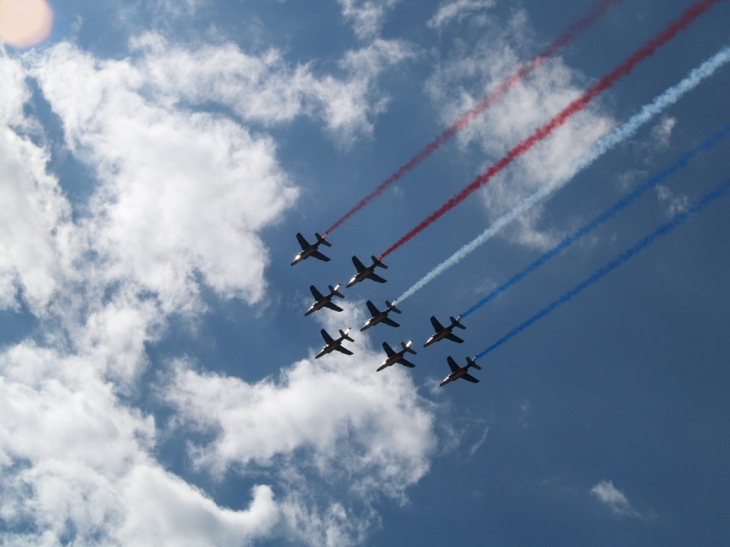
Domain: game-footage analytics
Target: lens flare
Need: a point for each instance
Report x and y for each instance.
(25, 23)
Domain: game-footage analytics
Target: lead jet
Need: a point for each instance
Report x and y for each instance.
(380, 316)
(460, 372)
(324, 301)
(333, 344)
(366, 273)
(397, 357)
(444, 332)
(311, 250)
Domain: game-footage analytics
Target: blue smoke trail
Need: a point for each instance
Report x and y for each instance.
(649, 111)
(603, 217)
(664, 229)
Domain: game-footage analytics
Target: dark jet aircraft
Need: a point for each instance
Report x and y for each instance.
(333, 344)
(366, 273)
(324, 301)
(311, 250)
(380, 316)
(460, 372)
(394, 357)
(444, 332)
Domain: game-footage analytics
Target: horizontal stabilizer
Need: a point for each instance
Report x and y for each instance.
(344, 335)
(471, 362)
(322, 240)
(407, 347)
(335, 292)
(455, 323)
(392, 307)
(378, 263)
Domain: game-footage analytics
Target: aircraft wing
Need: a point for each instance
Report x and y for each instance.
(348, 352)
(452, 364)
(376, 277)
(302, 241)
(454, 338)
(470, 378)
(317, 254)
(389, 321)
(358, 265)
(327, 337)
(315, 293)
(332, 306)
(406, 363)
(373, 310)
(388, 349)
(436, 324)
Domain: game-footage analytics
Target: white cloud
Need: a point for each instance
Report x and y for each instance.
(459, 83)
(607, 493)
(366, 15)
(661, 133)
(457, 9)
(674, 203)
(34, 217)
(366, 433)
(182, 196)
(265, 89)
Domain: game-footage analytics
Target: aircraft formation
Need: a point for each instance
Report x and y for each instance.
(378, 316)
(607, 142)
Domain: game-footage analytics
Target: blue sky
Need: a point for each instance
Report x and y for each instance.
(157, 374)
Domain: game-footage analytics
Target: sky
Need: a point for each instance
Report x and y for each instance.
(158, 380)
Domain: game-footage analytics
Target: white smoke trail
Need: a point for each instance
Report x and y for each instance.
(649, 111)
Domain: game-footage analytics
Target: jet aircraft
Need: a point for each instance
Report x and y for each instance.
(380, 316)
(397, 357)
(333, 344)
(321, 301)
(366, 273)
(311, 250)
(460, 372)
(444, 332)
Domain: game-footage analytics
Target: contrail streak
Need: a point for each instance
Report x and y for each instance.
(576, 106)
(649, 111)
(664, 229)
(574, 30)
(681, 163)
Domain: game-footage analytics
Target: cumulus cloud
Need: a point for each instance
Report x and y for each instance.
(363, 433)
(457, 9)
(265, 89)
(460, 82)
(182, 195)
(607, 493)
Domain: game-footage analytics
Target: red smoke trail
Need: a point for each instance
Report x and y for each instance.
(598, 9)
(579, 104)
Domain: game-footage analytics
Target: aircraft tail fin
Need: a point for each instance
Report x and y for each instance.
(322, 240)
(455, 322)
(392, 307)
(343, 333)
(407, 347)
(378, 262)
(470, 362)
(334, 291)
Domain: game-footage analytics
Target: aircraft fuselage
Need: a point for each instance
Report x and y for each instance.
(361, 276)
(436, 337)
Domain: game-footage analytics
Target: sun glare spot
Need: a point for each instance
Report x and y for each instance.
(25, 23)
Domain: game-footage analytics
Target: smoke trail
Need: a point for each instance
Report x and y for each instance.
(576, 106)
(664, 229)
(597, 10)
(649, 111)
(603, 217)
